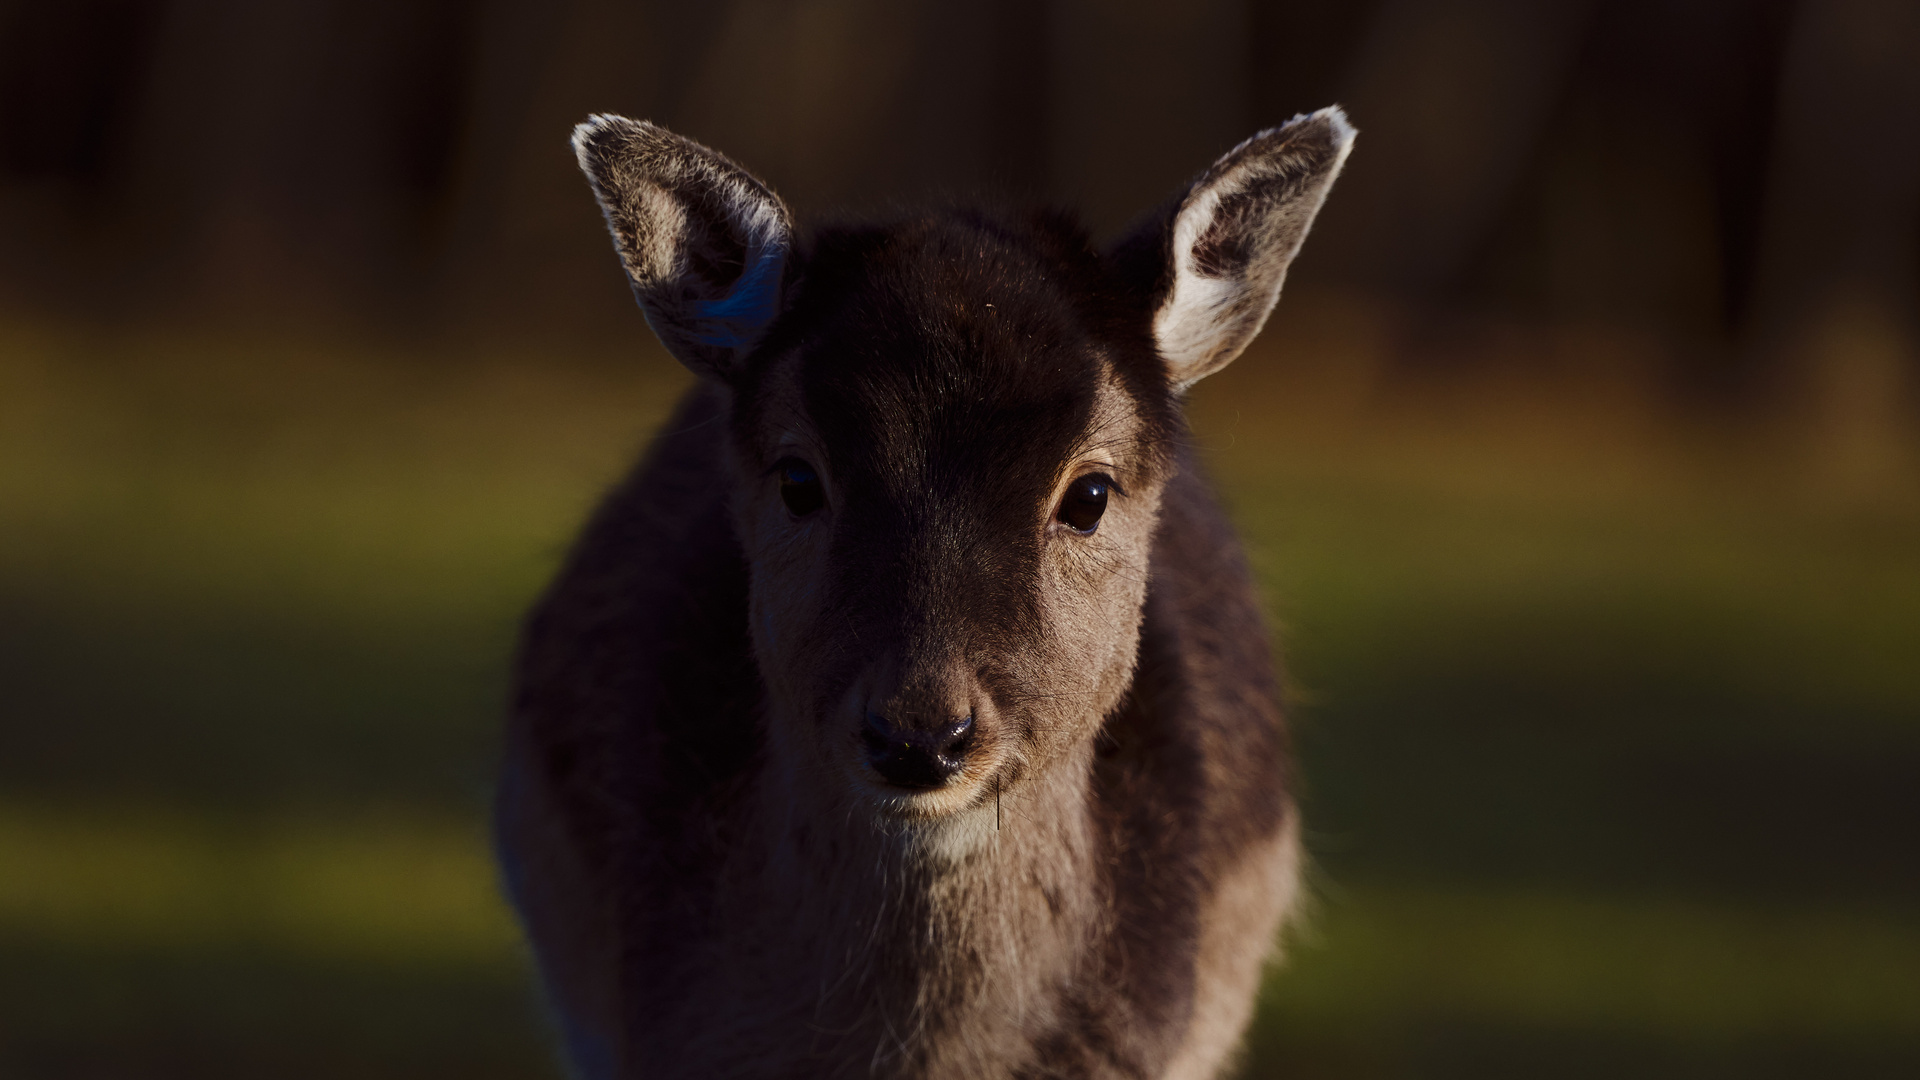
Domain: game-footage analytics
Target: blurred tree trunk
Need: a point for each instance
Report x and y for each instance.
(526, 252)
(1836, 313)
(837, 103)
(302, 153)
(1145, 95)
(402, 164)
(1452, 98)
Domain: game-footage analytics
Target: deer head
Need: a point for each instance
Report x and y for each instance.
(950, 436)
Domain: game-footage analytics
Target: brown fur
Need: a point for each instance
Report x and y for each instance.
(715, 880)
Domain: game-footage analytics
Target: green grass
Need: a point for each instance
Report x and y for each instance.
(392, 889)
(397, 892)
(1611, 722)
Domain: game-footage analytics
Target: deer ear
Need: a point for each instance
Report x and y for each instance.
(1235, 231)
(704, 243)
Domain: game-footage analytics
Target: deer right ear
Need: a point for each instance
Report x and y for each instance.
(704, 243)
(1221, 256)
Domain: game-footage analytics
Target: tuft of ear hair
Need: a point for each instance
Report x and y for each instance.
(703, 241)
(1233, 235)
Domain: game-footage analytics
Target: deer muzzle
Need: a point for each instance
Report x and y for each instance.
(916, 756)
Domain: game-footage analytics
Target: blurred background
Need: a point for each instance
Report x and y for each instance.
(1580, 464)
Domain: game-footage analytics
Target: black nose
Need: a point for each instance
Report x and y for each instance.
(911, 757)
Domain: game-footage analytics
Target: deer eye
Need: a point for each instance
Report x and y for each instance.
(800, 487)
(1085, 501)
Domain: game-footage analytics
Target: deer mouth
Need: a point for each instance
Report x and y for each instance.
(925, 807)
(938, 775)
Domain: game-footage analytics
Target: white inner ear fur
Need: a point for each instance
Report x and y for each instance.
(1208, 319)
(1194, 323)
(660, 254)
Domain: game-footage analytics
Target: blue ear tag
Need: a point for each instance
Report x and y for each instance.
(736, 319)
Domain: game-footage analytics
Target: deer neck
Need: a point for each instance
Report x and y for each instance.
(945, 928)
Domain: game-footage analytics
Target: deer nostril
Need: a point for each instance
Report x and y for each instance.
(911, 758)
(957, 739)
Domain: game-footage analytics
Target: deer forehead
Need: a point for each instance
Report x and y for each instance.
(944, 425)
(972, 371)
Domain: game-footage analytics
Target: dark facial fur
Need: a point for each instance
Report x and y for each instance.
(947, 377)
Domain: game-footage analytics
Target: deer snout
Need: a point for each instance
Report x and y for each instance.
(916, 755)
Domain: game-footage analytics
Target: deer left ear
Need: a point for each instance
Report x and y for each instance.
(1235, 232)
(703, 241)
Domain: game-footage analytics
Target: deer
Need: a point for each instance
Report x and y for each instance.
(909, 711)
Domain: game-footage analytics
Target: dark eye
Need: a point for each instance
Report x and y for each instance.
(1085, 501)
(800, 487)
